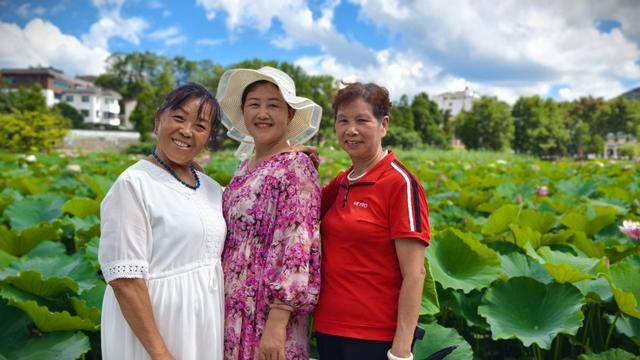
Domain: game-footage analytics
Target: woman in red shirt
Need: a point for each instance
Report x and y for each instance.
(374, 233)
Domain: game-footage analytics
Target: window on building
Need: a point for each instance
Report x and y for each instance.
(61, 83)
(85, 98)
(9, 79)
(68, 98)
(97, 113)
(109, 101)
(57, 96)
(84, 113)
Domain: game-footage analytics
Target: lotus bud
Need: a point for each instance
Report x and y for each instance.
(631, 229)
(31, 158)
(439, 180)
(74, 168)
(535, 167)
(542, 191)
(518, 199)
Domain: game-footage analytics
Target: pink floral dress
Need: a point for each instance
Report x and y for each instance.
(271, 251)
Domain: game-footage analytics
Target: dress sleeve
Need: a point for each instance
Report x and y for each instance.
(293, 262)
(408, 210)
(124, 233)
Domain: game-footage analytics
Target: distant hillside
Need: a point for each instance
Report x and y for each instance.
(632, 94)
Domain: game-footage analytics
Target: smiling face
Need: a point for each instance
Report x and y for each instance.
(266, 115)
(360, 133)
(181, 134)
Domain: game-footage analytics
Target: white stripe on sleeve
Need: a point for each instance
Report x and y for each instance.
(409, 203)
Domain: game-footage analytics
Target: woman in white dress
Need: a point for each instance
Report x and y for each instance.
(162, 234)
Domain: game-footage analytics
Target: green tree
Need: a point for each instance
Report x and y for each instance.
(31, 131)
(69, 112)
(401, 131)
(618, 115)
(580, 119)
(23, 99)
(489, 125)
(539, 127)
(429, 121)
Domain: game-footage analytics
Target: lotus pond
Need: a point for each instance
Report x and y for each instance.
(527, 258)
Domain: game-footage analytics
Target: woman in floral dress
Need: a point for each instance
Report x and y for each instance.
(271, 259)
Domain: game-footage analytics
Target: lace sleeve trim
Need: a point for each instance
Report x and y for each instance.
(125, 269)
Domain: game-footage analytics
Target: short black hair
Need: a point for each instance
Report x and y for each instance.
(178, 96)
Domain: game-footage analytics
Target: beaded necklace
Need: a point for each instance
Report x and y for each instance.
(173, 173)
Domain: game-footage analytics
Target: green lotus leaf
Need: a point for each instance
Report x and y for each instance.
(595, 290)
(89, 304)
(15, 326)
(90, 252)
(34, 210)
(560, 237)
(629, 327)
(438, 337)
(20, 243)
(6, 259)
(100, 185)
(575, 221)
(460, 261)
(516, 264)
(81, 207)
(539, 221)
(45, 319)
(587, 246)
(565, 267)
(470, 200)
(626, 287)
(523, 235)
(429, 304)
(500, 220)
(29, 185)
(57, 345)
(51, 276)
(611, 354)
(464, 306)
(577, 187)
(531, 311)
(596, 219)
(47, 249)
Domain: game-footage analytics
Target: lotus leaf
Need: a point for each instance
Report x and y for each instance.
(18, 244)
(596, 290)
(531, 311)
(611, 354)
(523, 235)
(460, 261)
(429, 305)
(438, 337)
(464, 305)
(34, 210)
(51, 276)
(45, 319)
(630, 327)
(626, 287)
(81, 207)
(58, 345)
(566, 267)
(516, 264)
(500, 219)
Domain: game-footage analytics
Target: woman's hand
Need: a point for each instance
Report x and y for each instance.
(274, 335)
(309, 150)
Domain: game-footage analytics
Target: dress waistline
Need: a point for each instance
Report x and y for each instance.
(184, 269)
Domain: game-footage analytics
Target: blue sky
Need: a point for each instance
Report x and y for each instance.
(505, 48)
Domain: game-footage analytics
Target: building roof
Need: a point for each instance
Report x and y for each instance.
(94, 91)
(466, 93)
(50, 71)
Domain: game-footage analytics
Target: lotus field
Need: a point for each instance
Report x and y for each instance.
(528, 259)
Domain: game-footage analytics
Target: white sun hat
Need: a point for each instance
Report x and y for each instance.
(303, 126)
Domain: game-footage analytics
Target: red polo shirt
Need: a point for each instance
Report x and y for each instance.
(361, 276)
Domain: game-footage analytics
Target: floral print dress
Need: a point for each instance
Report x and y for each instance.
(271, 251)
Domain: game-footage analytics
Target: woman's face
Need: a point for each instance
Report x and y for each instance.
(266, 115)
(359, 132)
(181, 135)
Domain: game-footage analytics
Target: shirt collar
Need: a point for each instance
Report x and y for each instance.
(374, 173)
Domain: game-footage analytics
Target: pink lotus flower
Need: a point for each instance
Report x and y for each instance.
(535, 167)
(631, 229)
(205, 159)
(439, 180)
(542, 191)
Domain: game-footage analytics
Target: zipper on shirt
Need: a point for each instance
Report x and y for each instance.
(348, 187)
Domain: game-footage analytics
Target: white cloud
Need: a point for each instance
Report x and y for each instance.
(26, 10)
(112, 24)
(166, 13)
(42, 43)
(507, 49)
(170, 36)
(209, 42)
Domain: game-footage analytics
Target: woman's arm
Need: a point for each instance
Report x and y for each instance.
(135, 304)
(411, 258)
(274, 334)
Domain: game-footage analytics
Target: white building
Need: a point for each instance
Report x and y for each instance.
(455, 102)
(97, 105)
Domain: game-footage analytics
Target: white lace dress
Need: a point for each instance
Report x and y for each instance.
(155, 228)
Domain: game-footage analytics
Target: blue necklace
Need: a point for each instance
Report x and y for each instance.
(170, 170)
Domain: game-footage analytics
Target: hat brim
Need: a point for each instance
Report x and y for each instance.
(305, 122)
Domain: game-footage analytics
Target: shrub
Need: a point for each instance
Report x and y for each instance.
(31, 131)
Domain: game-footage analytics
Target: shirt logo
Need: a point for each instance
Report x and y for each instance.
(361, 204)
